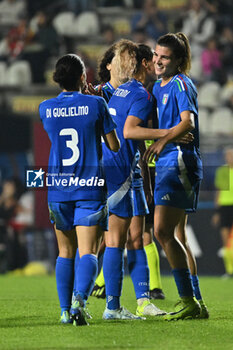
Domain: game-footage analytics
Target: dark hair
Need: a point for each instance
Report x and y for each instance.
(68, 71)
(179, 45)
(103, 72)
(144, 51)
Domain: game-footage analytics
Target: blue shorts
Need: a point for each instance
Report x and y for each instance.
(67, 215)
(139, 202)
(175, 189)
(120, 200)
(123, 207)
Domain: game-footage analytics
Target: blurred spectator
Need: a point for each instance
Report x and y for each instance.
(108, 34)
(139, 36)
(10, 11)
(226, 42)
(150, 19)
(198, 25)
(44, 44)
(44, 33)
(224, 203)
(13, 44)
(211, 59)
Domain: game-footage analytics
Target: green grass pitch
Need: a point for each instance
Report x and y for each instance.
(30, 313)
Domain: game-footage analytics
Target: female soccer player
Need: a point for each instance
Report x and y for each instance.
(179, 166)
(120, 170)
(77, 193)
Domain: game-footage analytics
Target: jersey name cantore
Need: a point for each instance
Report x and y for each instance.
(121, 92)
(67, 111)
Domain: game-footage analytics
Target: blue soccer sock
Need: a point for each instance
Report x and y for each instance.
(86, 275)
(65, 280)
(76, 262)
(139, 272)
(113, 266)
(196, 288)
(183, 282)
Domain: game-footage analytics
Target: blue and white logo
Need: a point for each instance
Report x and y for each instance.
(35, 178)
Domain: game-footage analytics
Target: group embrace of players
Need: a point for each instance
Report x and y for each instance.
(104, 144)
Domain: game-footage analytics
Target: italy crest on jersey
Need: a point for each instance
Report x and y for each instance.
(165, 98)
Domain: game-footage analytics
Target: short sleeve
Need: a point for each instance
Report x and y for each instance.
(186, 97)
(141, 108)
(184, 102)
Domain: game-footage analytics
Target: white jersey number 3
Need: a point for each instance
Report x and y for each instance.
(72, 144)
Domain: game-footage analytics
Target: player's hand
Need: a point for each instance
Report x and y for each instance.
(94, 91)
(85, 90)
(187, 138)
(154, 150)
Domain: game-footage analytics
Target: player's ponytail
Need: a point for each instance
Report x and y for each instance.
(68, 71)
(179, 45)
(185, 66)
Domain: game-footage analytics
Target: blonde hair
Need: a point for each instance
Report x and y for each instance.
(125, 59)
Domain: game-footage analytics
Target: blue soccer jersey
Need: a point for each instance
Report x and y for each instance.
(179, 166)
(175, 97)
(133, 99)
(74, 123)
(108, 91)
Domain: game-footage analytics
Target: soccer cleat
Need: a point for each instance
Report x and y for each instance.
(98, 292)
(65, 318)
(157, 293)
(204, 313)
(149, 309)
(187, 307)
(78, 312)
(120, 314)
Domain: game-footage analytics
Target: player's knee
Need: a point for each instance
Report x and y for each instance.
(163, 235)
(67, 252)
(135, 242)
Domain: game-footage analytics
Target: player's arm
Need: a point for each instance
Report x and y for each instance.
(111, 140)
(186, 125)
(133, 130)
(176, 133)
